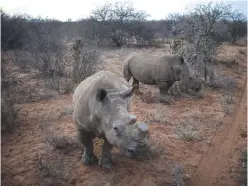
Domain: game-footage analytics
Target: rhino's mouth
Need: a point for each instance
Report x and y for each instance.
(131, 152)
(135, 151)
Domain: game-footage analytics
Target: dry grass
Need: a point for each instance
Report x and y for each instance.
(187, 131)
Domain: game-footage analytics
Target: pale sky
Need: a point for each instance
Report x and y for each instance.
(76, 9)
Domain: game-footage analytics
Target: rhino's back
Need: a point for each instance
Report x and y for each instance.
(102, 79)
(149, 68)
(164, 68)
(85, 93)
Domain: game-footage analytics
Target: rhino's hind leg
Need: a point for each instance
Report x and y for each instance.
(136, 82)
(163, 89)
(106, 158)
(86, 138)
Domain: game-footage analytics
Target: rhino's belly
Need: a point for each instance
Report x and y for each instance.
(148, 81)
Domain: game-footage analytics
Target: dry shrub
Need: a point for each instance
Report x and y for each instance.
(197, 36)
(227, 103)
(229, 63)
(22, 58)
(53, 169)
(9, 95)
(177, 175)
(45, 50)
(8, 114)
(157, 117)
(227, 109)
(229, 98)
(243, 52)
(243, 168)
(86, 60)
(187, 131)
(59, 141)
(148, 96)
(217, 80)
(178, 90)
(62, 85)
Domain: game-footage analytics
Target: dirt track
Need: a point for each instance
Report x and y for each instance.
(218, 157)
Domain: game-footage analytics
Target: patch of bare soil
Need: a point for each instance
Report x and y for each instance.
(187, 137)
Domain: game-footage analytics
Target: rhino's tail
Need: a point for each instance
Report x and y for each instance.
(126, 71)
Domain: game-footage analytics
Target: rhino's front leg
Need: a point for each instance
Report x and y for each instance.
(88, 156)
(163, 89)
(106, 157)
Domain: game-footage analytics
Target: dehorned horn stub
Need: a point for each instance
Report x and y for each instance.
(133, 119)
(143, 127)
(129, 92)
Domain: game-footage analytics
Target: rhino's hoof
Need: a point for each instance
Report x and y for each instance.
(105, 161)
(199, 95)
(165, 100)
(88, 159)
(138, 92)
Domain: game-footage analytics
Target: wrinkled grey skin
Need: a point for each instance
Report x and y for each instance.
(163, 70)
(101, 105)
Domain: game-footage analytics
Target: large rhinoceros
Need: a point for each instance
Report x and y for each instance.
(163, 70)
(101, 108)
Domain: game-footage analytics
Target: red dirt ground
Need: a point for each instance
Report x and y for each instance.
(204, 162)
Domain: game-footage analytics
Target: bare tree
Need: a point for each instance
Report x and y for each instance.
(237, 26)
(118, 18)
(196, 30)
(13, 30)
(45, 45)
(86, 60)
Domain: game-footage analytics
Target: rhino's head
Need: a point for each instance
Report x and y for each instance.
(193, 82)
(136, 139)
(120, 127)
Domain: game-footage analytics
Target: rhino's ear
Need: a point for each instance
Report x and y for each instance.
(129, 92)
(101, 94)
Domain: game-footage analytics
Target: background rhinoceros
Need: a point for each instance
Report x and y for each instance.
(101, 105)
(163, 70)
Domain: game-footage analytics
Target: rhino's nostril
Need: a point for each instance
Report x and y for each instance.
(130, 151)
